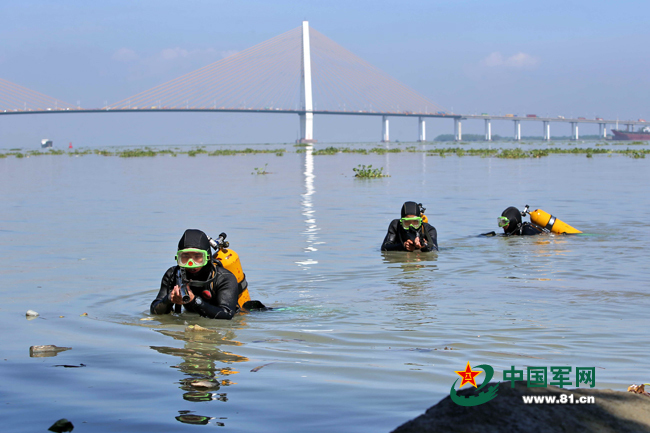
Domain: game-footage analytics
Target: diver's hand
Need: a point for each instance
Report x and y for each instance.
(409, 245)
(176, 298)
(420, 244)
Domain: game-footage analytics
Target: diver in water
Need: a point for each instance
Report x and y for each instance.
(211, 290)
(411, 232)
(511, 223)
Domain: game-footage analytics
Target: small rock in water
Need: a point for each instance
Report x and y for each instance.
(62, 425)
(31, 313)
(46, 351)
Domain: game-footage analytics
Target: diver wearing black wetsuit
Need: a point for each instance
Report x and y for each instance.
(397, 235)
(214, 289)
(515, 227)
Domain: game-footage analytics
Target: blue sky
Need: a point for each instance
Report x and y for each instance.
(581, 58)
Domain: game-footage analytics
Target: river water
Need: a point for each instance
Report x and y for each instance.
(359, 340)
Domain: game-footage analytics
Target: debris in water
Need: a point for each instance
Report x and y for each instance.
(31, 313)
(638, 389)
(62, 425)
(198, 328)
(256, 369)
(46, 351)
(70, 366)
(84, 314)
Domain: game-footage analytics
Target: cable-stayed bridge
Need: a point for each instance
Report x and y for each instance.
(300, 72)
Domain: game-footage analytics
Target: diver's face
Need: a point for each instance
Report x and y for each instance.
(194, 270)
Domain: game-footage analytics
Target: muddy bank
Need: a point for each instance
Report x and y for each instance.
(613, 411)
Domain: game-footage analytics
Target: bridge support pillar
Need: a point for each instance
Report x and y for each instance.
(547, 130)
(602, 127)
(422, 129)
(517, 130)
(306, 128)
(458, 130)
(385, 136)
(574, 131)
(488, 130)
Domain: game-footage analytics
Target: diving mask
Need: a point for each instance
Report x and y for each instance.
(414, 222)
(192, 258)
(503, 221)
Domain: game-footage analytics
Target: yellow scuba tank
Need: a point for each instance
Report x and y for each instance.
(549, 222)
(230, 260)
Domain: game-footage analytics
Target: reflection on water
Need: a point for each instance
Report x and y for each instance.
(187, 418)
(411, 264)
(205, 365)
(308, 208)
(405, 257)
(413, 283)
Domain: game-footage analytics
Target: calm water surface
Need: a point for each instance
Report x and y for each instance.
(360, 340)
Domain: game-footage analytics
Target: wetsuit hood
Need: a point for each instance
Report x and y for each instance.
(193, 238)
(514, 216)
(410, 208)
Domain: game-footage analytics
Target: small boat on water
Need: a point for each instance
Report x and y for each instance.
(45, 143)
(641, 134)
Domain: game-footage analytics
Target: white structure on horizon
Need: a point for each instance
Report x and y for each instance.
(306, 118)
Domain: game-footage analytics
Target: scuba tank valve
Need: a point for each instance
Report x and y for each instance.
(219, 243)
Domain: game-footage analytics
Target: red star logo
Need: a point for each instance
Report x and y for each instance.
(468, 376)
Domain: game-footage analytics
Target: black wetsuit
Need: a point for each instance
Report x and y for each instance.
(527, 229)
(396, 236)
(216, 299)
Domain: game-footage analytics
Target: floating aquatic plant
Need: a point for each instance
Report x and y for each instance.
(260, 170)
(368, 172)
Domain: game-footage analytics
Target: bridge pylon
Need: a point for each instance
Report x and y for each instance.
(307, 117)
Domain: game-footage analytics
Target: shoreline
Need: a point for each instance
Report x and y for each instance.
(500, 152)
